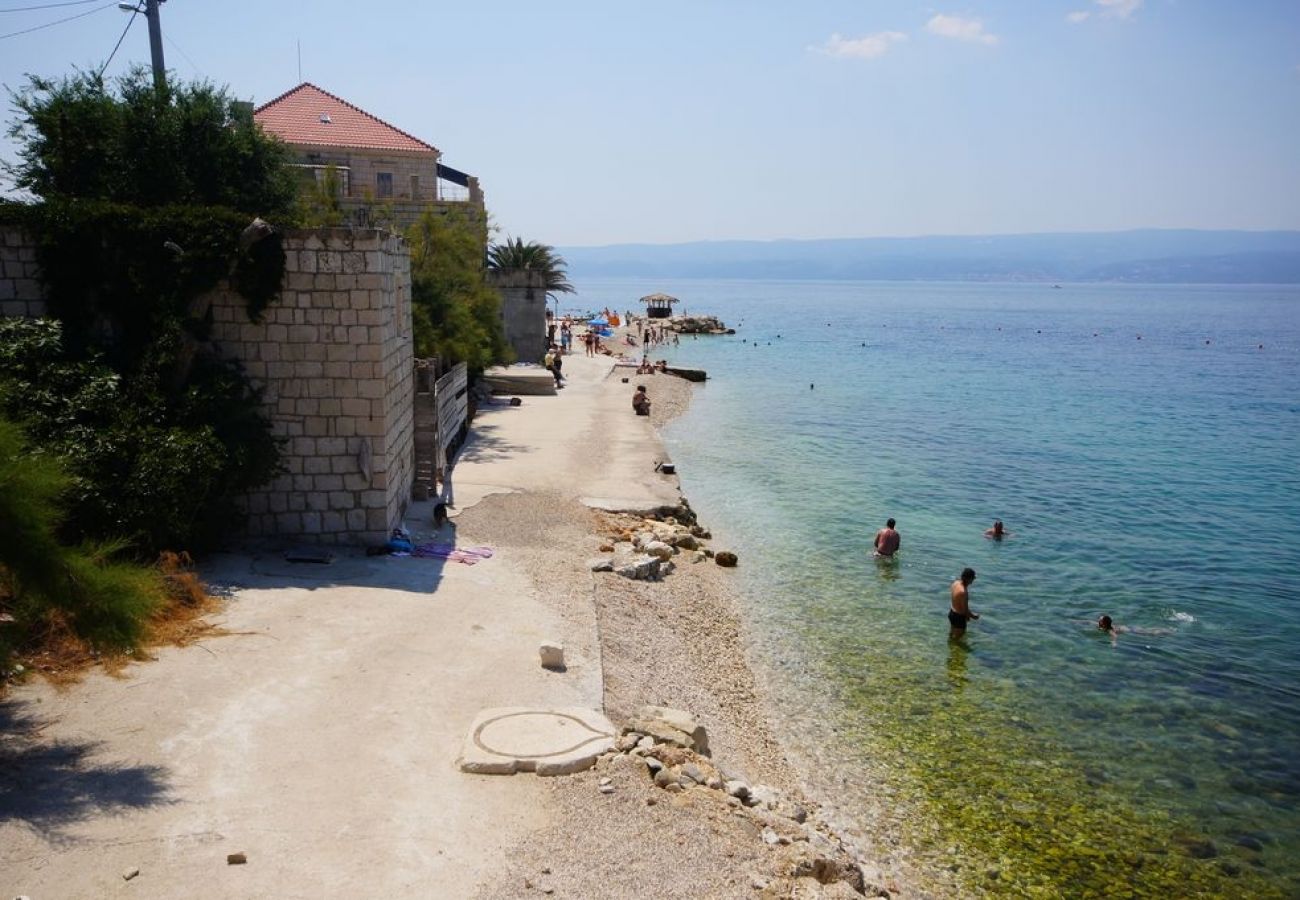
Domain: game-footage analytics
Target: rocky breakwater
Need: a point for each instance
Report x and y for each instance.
(699, 325)
(647, 548)
(803, 857)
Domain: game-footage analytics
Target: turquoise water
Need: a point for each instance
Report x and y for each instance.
(1152, 478)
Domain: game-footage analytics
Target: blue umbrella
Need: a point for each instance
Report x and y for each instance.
(598, 322)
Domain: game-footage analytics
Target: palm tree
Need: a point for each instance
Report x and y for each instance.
(515, 256)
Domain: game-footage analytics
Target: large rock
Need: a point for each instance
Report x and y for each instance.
(726, 558)
(641, 568)
(672, 726)
(659, 550)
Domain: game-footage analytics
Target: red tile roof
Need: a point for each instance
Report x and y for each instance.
(299, 117)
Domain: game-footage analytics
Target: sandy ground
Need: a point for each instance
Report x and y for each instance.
(319, 737)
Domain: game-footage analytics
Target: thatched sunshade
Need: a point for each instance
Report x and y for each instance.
(658, 306)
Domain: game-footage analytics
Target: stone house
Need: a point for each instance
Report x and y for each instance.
(377, 165)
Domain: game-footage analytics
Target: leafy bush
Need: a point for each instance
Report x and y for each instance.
(161, 468)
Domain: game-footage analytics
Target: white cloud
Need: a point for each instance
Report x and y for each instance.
(868, 46)
(1108, 9)
(1118, 9)
(960, 29)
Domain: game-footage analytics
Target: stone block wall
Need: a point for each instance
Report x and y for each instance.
(523, 312)
(21, 290)
(335, 358)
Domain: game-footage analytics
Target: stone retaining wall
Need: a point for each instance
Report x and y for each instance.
(21, 291)
(335, 357)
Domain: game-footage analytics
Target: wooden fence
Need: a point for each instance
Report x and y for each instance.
(441, 421)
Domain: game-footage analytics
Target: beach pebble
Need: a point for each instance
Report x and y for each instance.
(737, 789)
(602, 565)
(627, 741)
(694, 773)
(726, 559)
(606, 788)
(770, 837)
(128, 874)
(653, 765)
(645, 743)
(665, 777)
(236, 859)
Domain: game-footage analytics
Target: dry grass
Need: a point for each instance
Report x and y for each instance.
(62, 658)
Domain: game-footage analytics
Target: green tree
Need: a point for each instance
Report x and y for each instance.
(457, 315)
(516, 256)
(190, 145)
(140, 198)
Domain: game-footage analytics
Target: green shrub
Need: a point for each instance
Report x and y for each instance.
(160, 469)
(104, 599)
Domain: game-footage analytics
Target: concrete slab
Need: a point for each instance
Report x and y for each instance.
(513, 739)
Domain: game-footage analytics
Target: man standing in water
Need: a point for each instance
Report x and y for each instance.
(887, 540)
(960, 612)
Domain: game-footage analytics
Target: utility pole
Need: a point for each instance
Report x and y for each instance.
(155, 43)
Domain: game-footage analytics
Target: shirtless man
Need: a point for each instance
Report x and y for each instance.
(997, 532)
(887, 540)
(960, 612)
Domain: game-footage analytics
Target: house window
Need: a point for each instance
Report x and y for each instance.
(384, 184)
(415, 187)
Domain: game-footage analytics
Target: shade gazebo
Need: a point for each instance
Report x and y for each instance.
(658, 306)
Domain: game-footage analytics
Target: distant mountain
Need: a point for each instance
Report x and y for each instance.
(1174, 256)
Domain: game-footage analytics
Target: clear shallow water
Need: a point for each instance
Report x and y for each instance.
(1156, 480)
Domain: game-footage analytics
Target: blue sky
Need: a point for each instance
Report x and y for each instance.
(606, 122)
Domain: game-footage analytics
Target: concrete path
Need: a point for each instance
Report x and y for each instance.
(584, 442)
(320, 739)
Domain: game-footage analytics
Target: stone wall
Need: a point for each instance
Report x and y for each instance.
(335, 359)
(334, 356)
(523, 312)
(21, 291)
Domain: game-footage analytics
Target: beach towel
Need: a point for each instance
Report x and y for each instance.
(468, 555)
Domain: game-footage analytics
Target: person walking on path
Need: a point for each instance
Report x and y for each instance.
(887, 540)
(959, 612)
(557, 364)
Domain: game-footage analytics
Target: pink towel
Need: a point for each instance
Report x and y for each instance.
(467, 555)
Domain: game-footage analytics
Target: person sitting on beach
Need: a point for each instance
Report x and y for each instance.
(662, 366)
(960, 612)
(887, 540)
(997, 532)
(641, 401)
(645, 368)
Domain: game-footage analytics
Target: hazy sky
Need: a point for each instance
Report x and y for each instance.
(607, 122)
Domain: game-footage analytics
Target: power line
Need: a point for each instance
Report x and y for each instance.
(134, 13)
(46, 6)
(56, 22)
(177, 48)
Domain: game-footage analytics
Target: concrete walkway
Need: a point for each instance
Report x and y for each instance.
(320, 739)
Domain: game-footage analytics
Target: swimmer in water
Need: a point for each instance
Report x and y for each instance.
(997, 532)
(887, 541)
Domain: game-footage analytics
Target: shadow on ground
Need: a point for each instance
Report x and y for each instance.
(49, 785)
(486, 445)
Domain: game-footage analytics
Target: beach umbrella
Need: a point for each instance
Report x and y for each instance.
(600, 322)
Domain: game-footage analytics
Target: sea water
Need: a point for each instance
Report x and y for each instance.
(1142, 445)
